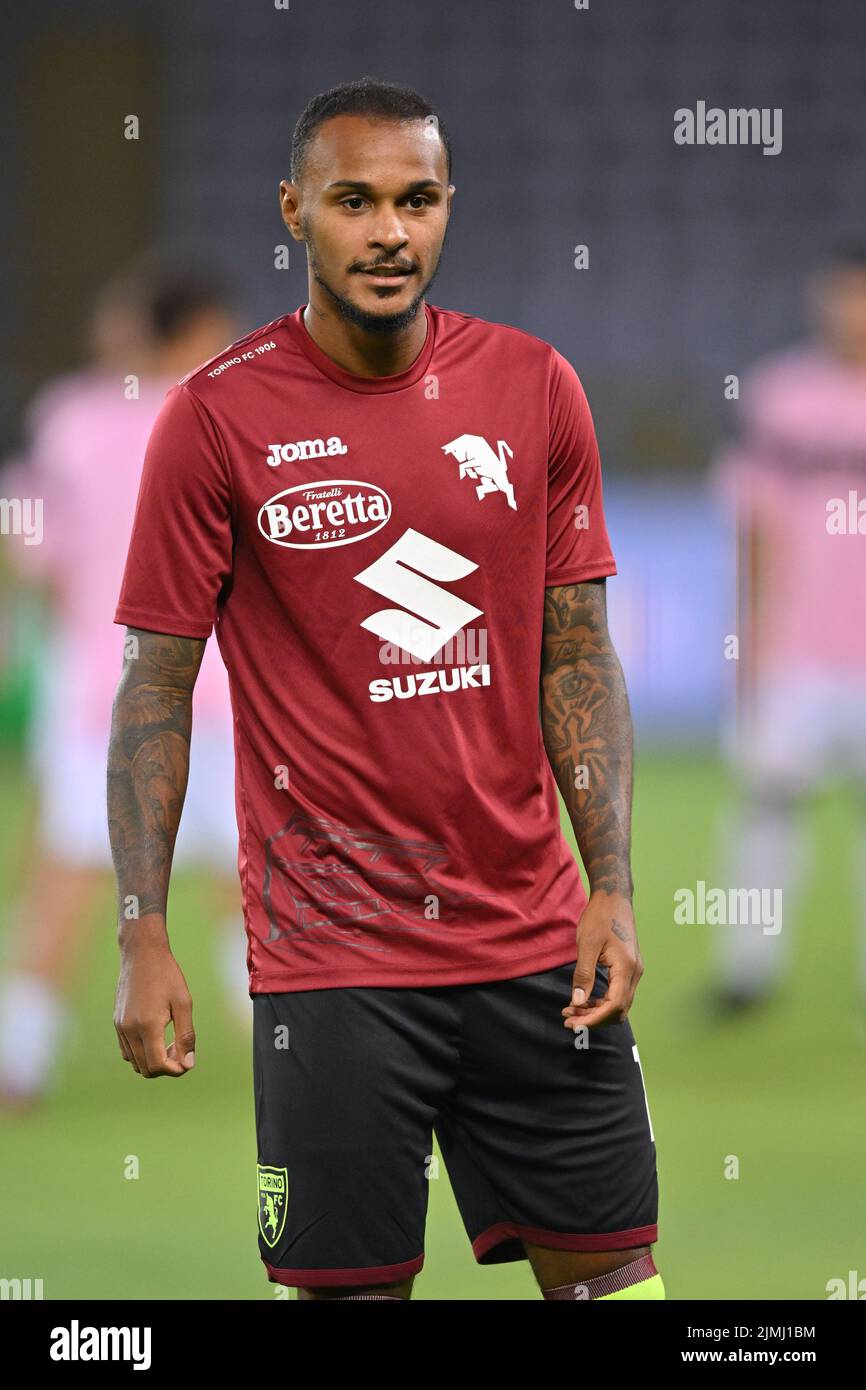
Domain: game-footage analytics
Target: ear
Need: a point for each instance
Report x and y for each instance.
(290, 200)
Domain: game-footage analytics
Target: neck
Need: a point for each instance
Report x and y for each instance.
(357, 350)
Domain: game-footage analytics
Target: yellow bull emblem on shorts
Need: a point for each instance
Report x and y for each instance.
(273, 1185)
(477, 460)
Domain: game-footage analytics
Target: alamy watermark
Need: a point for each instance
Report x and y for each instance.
(703, 906)
(737, 126)
(22, 516)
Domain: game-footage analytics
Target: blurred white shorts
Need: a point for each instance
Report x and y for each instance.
(70, 768)
(802, 732)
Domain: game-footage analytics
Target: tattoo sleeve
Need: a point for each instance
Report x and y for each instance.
(587, 729)
(148, 766)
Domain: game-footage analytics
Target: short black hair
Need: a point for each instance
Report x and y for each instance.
(180, 295)
(846, 255)
(168, 289)
(365, 97)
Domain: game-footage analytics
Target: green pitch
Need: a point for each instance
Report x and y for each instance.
(783, 1091)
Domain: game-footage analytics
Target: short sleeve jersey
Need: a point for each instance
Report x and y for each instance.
(372, 553)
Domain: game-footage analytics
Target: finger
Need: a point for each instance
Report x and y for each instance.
(137, 1038)
(613, 1008)
(583, 978)
(184, 1032)
(134, 1043)
(607, 1012)
(126, 1050)
(571, 1009)
(177, 1055)
(615, 966)
(158, 1061)
(610, 1008)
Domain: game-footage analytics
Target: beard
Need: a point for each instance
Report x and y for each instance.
(362, 318)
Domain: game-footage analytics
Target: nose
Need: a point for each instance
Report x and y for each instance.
(389, 232)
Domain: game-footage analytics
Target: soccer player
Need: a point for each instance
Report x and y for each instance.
(793, 479)
(87, 433)
(392, 515)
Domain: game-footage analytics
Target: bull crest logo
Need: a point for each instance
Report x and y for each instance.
(477, 460)
(273, 1200)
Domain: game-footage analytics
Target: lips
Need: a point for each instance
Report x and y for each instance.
(387, 273)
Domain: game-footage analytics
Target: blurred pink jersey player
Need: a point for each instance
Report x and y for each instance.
(795, 480)
(87, 432)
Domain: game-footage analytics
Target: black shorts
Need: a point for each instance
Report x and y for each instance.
(543, 1140)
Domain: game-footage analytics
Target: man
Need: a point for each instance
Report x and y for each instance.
(87, 432)
(794, 480)
(393, 514)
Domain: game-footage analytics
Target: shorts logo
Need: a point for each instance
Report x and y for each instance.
(273, 1201)
(477, 460)
(316, 516)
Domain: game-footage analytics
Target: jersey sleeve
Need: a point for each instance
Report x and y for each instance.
(180, 550)
(578, 546)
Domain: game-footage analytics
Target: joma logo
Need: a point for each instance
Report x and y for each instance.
(305, 449)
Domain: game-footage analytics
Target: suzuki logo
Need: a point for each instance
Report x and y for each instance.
(429, 616)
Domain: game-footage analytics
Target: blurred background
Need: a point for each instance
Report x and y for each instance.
(719, 329)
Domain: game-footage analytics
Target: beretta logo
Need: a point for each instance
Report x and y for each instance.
(314, 516)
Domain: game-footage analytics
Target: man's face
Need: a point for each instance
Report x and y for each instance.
(374, 199)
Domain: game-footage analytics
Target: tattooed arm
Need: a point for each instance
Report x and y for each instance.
(148, 767)
(587, 731)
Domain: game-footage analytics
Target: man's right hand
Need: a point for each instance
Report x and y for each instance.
(148, 768)
(152, 991)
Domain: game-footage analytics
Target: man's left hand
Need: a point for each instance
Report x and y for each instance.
(606, 934)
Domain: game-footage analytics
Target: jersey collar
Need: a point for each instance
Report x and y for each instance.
(351, 380)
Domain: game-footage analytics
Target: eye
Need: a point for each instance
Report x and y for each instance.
(423, 196)
(354, 198)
